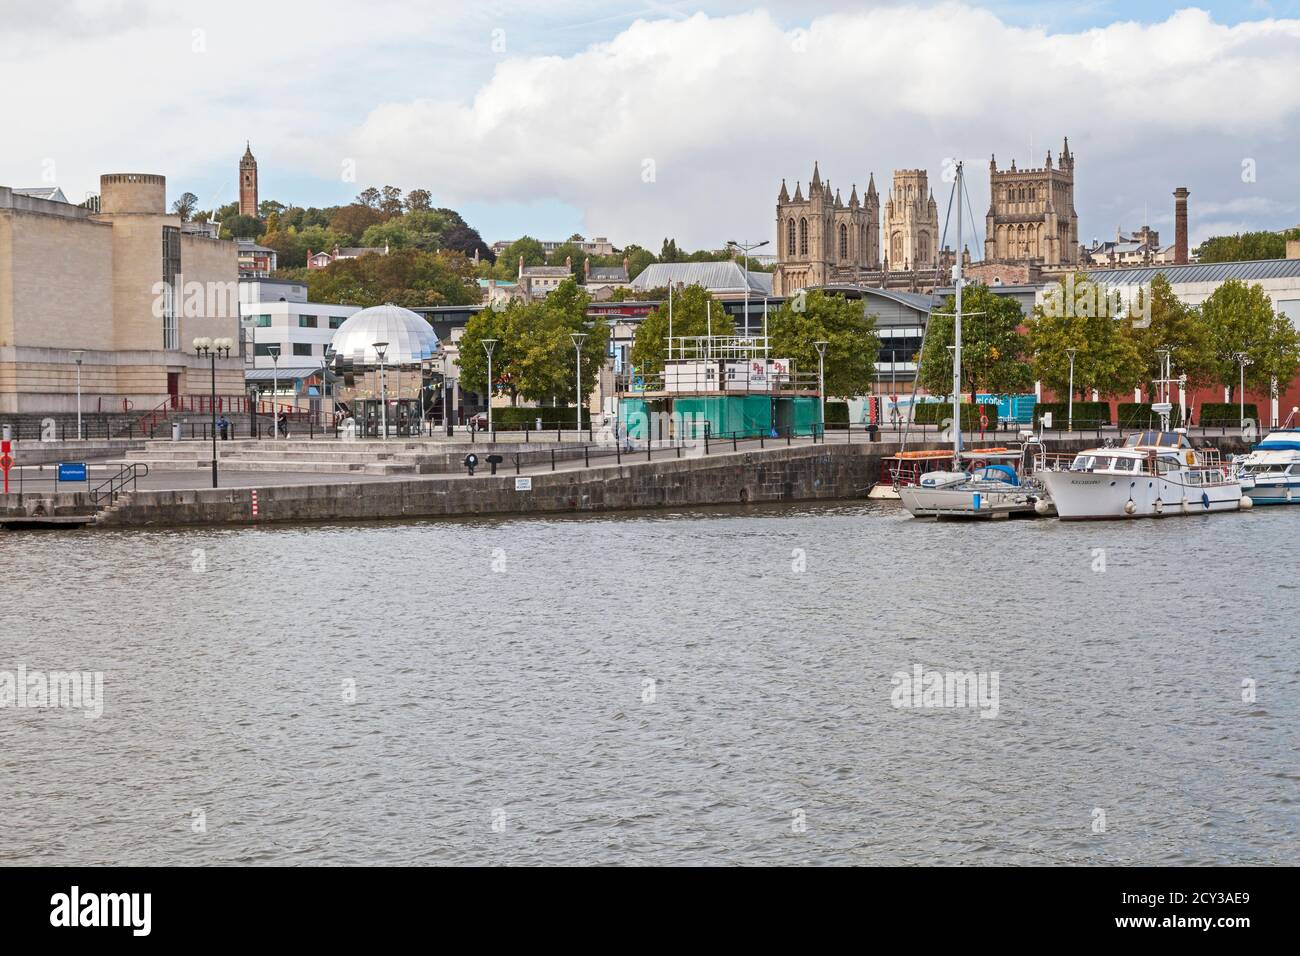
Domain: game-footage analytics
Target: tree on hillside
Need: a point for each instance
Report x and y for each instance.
(853, 345)
(405, 277)
(241, 227)
(355, 219)
(507, 266)
(1077, 313)
(390, 201)
(994, 353)
(1246, 246)
(467, 241)
(418, 199)
(185, 206)
(369, 197)
(691, 309)
(268, 207)
(1240, 318)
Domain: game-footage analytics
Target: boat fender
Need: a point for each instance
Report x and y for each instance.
(1042, 507)
(1130, 508)
(1246, 503)
(1205, 500)
(1159, 506)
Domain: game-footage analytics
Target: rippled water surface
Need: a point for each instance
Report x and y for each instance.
(504, 710)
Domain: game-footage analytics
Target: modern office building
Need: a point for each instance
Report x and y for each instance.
(277, 313)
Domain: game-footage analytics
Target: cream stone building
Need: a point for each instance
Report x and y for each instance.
(1031, 213)
(121, 288)
(911, 222)
(822, 235)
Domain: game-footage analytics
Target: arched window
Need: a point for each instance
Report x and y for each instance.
(844, 241)
(803, 237)
(789, 239)
(923, 248)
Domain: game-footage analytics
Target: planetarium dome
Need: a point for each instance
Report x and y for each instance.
(410, 338)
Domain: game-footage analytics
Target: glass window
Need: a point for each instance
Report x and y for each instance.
(306, 321)
(302, 348)
(1082, 463)
(337, 320)
(262, 348)
(263, 321)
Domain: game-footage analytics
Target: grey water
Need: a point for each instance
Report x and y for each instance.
(694, 687)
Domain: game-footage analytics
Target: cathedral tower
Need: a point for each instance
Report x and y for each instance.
(821, 239)
(1031, 213)
(911, 222)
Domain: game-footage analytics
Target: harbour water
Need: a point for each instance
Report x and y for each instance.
(705, 687)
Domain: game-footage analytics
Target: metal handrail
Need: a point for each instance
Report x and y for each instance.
(117, 484)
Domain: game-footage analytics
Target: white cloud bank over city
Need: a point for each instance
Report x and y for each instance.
(724, 107)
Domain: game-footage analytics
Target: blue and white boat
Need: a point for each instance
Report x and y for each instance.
(1270, 474)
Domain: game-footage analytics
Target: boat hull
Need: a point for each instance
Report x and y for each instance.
(1081, 495)
(964, 503)
(1271, 494)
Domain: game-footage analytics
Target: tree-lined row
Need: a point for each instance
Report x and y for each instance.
(1116, 348)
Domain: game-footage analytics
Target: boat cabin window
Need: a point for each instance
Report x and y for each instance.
(1126, 465)
(1295, 469)
(1155, 438)
(1081, 463)
(1101, 462)
(1166, 464)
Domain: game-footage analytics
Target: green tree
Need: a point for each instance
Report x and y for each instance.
(241, 227)
(637, 260)
(548, 358)
(508, 261)
(405, 277)
(573, 253)
(853, 344)
(691, 309)
(268, 207)
(418, 199)
(507, 326)
(1246, 246)
(1080, 314)
(994, 353)
(1158, 319)
(1240, 318)
(185, 206)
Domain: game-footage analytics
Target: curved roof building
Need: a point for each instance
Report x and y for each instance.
(410, 338)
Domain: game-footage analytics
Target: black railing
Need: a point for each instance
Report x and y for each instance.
(115, 485)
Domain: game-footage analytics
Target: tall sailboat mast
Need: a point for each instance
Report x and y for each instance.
(956, 351)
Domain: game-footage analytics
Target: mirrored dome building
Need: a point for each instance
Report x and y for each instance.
(391, 366)
(411, 340)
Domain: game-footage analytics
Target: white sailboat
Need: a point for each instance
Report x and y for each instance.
(989, 490)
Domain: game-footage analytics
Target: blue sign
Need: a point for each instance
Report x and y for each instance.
(72, 471)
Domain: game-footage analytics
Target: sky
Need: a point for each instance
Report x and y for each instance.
(644, 119)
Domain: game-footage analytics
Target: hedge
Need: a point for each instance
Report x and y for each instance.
(837, 414)
(1086, 414)
(936, 413)
(1227, 413)
(514, 418)
(1140, 415)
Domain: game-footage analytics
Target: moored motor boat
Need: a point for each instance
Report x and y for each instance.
(1270, 474)
(1155, 474)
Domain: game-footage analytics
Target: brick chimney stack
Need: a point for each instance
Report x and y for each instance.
(1180, 225)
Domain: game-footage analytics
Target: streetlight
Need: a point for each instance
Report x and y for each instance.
(1070, 413)
(274, 352)
(489, 346)
(578, 339)
(381, 348)
(326, 357)
(746, 247)
(211, 348)
(1243, 359)
(446, 403)
(78, 353)
(821, 380)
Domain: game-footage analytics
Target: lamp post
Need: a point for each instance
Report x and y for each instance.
(211, 348)
(446, 405)
(746, 247)
(578, 339)
(821, 381)
(489, 346)
(1243, 359)
(78, 353)
(381, 349)
(1070, 413)
(274, 352)
(326, 357)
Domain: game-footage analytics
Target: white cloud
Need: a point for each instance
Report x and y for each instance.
(727, 106)
(724, 106)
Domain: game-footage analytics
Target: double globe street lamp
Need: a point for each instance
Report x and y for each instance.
(211, 348)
